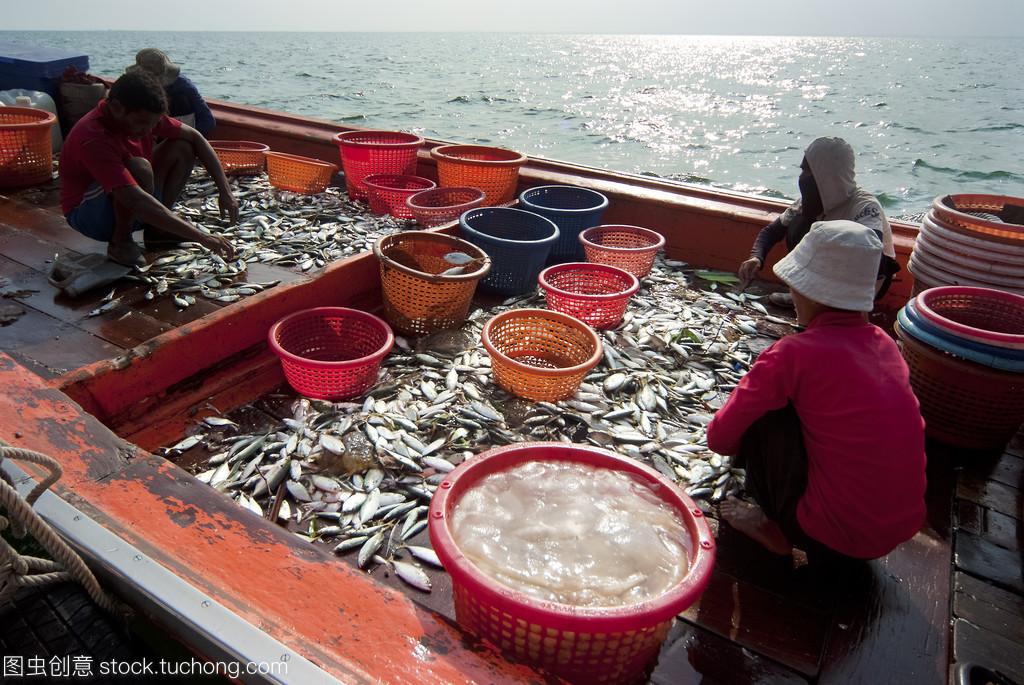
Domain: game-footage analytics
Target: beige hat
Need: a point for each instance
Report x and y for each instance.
(156, 63)
(835, 264)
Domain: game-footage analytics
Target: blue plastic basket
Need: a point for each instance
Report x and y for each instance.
(573, 209)
(987, 355)
(518, 243)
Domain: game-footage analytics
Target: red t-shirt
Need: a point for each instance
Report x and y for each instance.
(95, 150)
(862, 427)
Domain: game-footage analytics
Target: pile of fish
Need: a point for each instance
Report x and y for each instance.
(359, 475)
(291, 230)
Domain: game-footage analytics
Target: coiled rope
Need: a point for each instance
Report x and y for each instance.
(18, 571)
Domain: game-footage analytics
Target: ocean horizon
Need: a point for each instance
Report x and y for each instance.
(926, 116)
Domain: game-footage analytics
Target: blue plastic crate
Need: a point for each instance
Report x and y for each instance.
(35, 68)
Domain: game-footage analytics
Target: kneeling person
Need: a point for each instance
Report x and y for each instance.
(116, 178)
(825, 421)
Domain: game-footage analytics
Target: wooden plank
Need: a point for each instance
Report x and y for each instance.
(985, 648)
(985, 559)
(51, 348)
(897, 629)
(989, 607)
(750, 616)
(692, 656)
(994, 495)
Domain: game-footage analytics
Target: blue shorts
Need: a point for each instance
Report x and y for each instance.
(94, 216)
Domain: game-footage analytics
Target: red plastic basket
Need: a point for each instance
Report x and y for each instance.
(441, 205)
(540, 355)
(375, 152)
(331, 353)
(493, 170)
(388, 192)
(630, 248)
(964, 404)
(26, 146)
(418, 299)
(580, 644)
(596, 294)
(240, 157)
(298, 174)
(985, 315)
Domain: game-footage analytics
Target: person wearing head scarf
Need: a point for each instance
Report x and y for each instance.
(825, 422)
(184, 102)
(828, 191)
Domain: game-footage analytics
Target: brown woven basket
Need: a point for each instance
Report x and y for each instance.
(540, 355)
(418, 298)
(963, 403)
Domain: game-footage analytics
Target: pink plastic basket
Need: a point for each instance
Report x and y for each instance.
(331, 353)
(580, 644)
(596, 294)
(631, 248)
(388, 192)
(985, 315)
(441, 205)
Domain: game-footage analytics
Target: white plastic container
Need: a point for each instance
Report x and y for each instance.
(36, 99)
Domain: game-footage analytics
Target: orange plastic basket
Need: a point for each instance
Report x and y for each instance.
(493, 170)
(240, 157)
(540, 355)
(375, 152)
(630, 248)
(441, 205)
(964, 404)
(418, 298)
(26, 148)
(331, 353)
(963, 221)
(580, 644)
(596, 294)
(298, 174)
(388, 192)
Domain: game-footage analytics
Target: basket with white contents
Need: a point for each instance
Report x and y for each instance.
(570, 557)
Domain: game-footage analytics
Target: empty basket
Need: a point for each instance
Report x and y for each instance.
(573, 209)
(517, 241)
(375, 152)
(596, 294)
(493, 170)
(540, 355)
(298, 174)
(240, 157)
(440, 205)
(630, 248)
(388, 192)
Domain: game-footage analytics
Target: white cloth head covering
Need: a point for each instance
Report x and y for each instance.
(835, 264)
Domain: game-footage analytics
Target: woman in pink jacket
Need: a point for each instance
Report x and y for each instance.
(825, 421)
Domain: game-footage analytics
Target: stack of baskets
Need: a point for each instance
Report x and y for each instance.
(972, 240)
(965, 350)
(26, 146)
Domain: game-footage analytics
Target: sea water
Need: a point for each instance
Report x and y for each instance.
(572, 533)
(926, 116)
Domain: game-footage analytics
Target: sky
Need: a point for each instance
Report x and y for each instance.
(684, 17)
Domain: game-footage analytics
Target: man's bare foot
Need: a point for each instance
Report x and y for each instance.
(750, 520)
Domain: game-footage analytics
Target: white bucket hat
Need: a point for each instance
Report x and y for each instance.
(835, 264)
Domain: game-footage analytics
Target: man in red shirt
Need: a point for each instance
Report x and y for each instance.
(115, 180)
(825, 421)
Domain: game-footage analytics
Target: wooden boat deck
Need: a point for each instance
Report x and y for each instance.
(953, 593)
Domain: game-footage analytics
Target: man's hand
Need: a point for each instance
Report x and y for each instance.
(748, 270)
(218, 244)
(228, 205)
